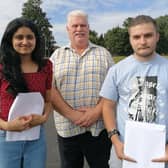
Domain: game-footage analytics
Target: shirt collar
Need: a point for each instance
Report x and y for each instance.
(90, 46)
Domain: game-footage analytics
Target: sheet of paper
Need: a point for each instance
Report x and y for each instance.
(25, 104)
(143, 142)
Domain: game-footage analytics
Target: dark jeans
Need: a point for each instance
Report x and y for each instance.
(95, 149)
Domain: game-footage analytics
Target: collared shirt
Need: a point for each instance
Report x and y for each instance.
(79, 79)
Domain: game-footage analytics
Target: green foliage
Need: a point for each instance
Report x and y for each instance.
(117, 41)
(127, 22)
(118, 58)
(94, 38)
(32, 10)
(163, 30)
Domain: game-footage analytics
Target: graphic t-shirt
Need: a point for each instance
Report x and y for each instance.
(140, 90)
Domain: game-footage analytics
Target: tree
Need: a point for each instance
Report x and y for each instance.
(93, 36)
(162, 22)
(101, 41)
(127, 22)
(117, 41)
(32, 10)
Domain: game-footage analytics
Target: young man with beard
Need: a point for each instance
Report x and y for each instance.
(137, 87)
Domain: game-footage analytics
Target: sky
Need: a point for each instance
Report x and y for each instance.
(103, 14)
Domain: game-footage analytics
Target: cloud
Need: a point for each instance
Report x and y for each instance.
(59, 6)
(103, 15)
(101, 23)
(14, 10)
(60, 34)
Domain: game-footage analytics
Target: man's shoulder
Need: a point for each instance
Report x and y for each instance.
(61, 48)
(123, 65)
(126, 60)
(98, 46)
(92, 45)
(162, 58)
(58, 51)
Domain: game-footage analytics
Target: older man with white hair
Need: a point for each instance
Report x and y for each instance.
(79, 71)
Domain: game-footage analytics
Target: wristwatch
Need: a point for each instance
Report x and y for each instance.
(113, 132)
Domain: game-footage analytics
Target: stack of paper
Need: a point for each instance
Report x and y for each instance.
(144, 142)
(25, 104)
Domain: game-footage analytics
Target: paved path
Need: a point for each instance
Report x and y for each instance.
(53, 160)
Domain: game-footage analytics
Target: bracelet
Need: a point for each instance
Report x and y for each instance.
(113, 132)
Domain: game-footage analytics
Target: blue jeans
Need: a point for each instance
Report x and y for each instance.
(96, 150)
(23, 154)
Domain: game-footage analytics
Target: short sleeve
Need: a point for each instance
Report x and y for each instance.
(109, 88)
(49, 72)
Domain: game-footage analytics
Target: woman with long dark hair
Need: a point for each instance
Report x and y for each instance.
(23, 69)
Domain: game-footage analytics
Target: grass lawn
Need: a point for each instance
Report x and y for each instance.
(118, 58)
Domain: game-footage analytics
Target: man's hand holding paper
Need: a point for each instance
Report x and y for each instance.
(164, 158)
(119, 149)
(144, 141)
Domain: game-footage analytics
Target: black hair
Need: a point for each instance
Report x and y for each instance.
(10, 59)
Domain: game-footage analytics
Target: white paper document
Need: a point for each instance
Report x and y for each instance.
(25, 104)
(144, 142)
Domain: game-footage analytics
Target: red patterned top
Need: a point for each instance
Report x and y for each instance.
(37, 82)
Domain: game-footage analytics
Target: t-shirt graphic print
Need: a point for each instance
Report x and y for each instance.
(142, 102)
